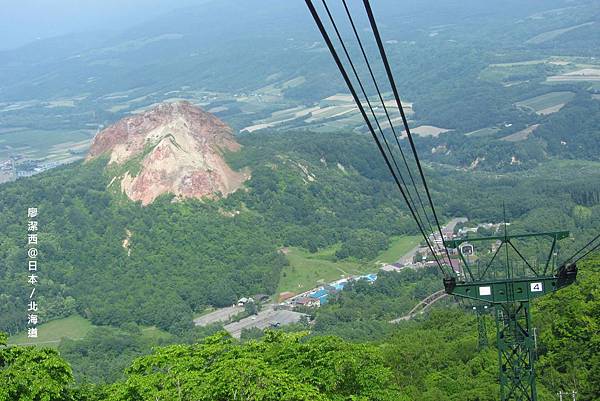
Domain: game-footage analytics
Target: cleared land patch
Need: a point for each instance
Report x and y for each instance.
(546, 36)
(308, 270)
(521, 135)
(581, 75)
(399, 246)
(73, 327)
(548, 103)
(488, 131)
(428, 130)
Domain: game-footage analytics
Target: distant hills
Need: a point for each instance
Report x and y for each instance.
(466, 67)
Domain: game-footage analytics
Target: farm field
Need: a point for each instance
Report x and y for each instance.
(39, 144)
(580, 75)
(553, 69)
(334, 112)
(521, 135)
(548, 103)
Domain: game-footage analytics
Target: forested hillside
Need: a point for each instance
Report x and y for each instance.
(114, 262)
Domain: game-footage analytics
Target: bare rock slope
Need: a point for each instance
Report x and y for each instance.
(174, 148)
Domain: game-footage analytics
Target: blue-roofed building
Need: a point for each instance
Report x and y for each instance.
(321, 294)
(369, 277)
(339, 285)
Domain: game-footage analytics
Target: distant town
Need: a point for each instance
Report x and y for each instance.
(292, 307)
(18, 166)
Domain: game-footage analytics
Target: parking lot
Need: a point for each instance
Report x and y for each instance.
(265, 319)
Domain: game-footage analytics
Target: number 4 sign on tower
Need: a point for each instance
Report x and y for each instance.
(536, 287)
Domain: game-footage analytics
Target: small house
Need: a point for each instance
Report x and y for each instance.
(307, 301)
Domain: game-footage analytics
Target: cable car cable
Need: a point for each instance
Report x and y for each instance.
(348, 82)
(587, 253)
(364, 92)
(388, 70)
(408, 169)
(583, 248)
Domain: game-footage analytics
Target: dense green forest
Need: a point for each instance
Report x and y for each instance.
(434, 358)
(307, 190)
(95, 273)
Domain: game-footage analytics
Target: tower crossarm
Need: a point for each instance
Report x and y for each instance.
(512, 290)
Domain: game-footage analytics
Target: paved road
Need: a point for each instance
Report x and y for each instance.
(455, 221)
(408, 257)
(263, 320)
(220, 315)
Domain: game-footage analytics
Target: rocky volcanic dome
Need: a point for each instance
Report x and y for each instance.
(174, 148)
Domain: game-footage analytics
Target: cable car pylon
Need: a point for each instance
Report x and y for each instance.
(511, 295)
(508, 283)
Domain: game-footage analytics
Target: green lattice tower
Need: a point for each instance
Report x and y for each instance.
(516, 354)
(510, 290)
(482, 339)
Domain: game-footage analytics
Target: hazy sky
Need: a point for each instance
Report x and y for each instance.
(23, 21)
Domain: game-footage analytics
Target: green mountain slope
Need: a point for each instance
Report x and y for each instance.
(113, 261)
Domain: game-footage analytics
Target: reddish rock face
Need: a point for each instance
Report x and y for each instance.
(181, 147)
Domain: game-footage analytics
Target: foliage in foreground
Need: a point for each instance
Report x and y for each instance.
(435, 359)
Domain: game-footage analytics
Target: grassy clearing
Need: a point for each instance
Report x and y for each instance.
(155, 334)
(49, 334)
(398, 247)
(309, 270)
(75, 328)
